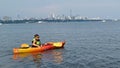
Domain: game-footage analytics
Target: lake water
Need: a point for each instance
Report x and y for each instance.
(88, 45)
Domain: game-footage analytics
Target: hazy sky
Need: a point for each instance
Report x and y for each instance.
(43, 8)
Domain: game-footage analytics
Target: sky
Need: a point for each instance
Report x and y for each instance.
(43, 8)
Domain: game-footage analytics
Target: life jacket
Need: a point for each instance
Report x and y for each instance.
(38, 42)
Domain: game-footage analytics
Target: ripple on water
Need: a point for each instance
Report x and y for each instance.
(103, 63)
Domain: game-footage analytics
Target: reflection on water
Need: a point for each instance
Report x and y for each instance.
(37, 57)
(57, 57)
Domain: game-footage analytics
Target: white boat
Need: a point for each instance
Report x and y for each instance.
(115, 19)
(103, 20)
(26, 22)
(0, 23)
(39, 22)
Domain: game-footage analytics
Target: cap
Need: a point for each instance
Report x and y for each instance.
(36, 35)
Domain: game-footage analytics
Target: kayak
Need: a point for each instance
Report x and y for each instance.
(47, 46)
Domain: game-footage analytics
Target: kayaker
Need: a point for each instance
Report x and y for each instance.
(36, 41)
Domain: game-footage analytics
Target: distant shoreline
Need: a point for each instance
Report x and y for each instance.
(51, 20)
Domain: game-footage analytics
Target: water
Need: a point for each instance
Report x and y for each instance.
(88, 45)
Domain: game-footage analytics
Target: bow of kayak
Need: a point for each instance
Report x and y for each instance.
(48, 46)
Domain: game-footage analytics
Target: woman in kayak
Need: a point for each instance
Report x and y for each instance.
(36, 41)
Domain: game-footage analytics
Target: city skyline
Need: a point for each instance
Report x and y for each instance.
(38, 8)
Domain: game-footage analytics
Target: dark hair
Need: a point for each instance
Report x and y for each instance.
(36, 35)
